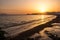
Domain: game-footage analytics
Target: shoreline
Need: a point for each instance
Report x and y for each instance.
(28, 33)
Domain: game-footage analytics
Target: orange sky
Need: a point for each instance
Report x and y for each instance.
(29, 6)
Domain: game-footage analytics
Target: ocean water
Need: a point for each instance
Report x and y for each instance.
(15, 24)
(8, 21)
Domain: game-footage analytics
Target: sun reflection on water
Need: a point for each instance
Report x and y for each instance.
(42, 17)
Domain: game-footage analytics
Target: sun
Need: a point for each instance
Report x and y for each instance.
(42, 8)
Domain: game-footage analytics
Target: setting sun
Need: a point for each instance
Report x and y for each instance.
(43, 8)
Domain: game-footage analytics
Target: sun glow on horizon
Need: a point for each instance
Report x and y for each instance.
(43, 8)
(30, 6)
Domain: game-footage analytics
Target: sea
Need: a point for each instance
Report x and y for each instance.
(12, 24)
(11, 20)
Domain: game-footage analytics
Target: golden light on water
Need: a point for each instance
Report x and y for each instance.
(42, 17)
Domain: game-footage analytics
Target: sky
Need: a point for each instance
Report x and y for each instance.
(29, 6)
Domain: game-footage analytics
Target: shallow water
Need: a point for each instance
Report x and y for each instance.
(7, 21)
(14, 24)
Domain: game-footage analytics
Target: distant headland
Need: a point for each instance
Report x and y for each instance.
(47, 13)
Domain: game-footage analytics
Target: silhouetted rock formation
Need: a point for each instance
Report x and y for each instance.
(2, 37)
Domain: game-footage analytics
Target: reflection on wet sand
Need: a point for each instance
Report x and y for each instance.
(42, 17)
